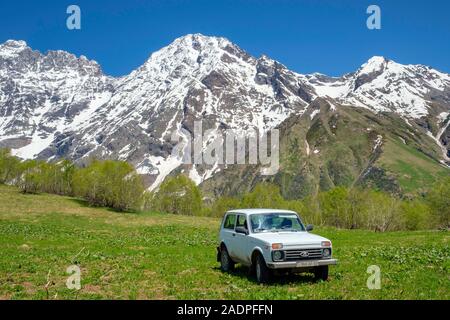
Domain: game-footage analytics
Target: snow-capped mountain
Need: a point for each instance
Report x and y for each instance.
(383, 85)
(56, 105)
(44, 96)
(417, 93)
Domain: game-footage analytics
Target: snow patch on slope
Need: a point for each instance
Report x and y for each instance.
(314, 113)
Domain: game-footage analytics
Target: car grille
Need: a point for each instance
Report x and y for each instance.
(303, 254)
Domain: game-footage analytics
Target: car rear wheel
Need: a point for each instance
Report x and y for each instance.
(261, 270)
(321, 273)
(226, 264)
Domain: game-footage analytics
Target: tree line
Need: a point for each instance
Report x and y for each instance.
(341, 207)
(116, 184)
(353, 208)
(106, 183)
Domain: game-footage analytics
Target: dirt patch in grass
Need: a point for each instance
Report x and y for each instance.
(90, 288)
(29, 287)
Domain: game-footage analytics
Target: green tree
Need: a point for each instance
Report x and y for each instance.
(439, 200)
(30, 176)
(415, 215)
(264, 195)
(223, 204)
(299, 207)
(382, 211)
(335, 207)
(178, 195)
(56, 177)
(109, 183)
(9, 167)
(311, 211)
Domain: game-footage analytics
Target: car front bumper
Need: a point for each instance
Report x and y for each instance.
(301, 264)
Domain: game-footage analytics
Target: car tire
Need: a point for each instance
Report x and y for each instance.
(262, 272)
(321, 273)
(226, 264)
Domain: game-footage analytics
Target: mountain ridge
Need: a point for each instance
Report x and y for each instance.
(57, 105)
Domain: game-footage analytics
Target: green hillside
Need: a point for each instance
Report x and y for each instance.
(413, 170)
(162, 256)
(327, 147)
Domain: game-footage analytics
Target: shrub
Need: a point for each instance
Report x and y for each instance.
(223, 204)
(335, 207)
(415, 215)
(109, 183)
(439, 201)
(381, 211)
(178, 195)
(264, 195)
(56, 178)
(30, 176)
(9, 167)
(311, 213)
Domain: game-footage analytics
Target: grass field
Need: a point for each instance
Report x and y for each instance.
(160, 256)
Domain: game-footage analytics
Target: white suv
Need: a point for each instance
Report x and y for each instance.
(269, 239)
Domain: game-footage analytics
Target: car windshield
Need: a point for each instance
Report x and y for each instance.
(274, 222)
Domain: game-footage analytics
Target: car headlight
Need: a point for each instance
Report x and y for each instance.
(277, 255)
(326, 252)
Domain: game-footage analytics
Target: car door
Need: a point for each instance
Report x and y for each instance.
(241, 240)
(228, 233)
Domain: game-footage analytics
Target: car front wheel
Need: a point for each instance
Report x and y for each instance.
(226, 264)
(321, 273)
(261, 270)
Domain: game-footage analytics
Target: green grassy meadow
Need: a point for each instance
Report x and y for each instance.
(162, 256)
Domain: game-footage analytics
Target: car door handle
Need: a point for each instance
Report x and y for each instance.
(234, 234)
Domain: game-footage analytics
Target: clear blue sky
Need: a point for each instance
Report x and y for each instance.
(328, 36)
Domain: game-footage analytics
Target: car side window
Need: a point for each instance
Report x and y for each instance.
(241, 222)
(229, 221)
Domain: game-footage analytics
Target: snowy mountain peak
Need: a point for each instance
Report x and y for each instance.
(59, 59)
(198, 38)
(11, 48)
(377, 65)
(383, 85)
(194, 44)
(187, 52)
(16, 56)
(15, 43)
(374, 64)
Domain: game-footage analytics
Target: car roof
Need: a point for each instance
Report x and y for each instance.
(260, 211)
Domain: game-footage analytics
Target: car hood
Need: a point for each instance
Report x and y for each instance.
(290, 239)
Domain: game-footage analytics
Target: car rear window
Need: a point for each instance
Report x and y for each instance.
(229, 221)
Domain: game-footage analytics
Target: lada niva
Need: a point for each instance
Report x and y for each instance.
(271, 239)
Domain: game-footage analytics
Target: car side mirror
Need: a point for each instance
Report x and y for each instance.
(241, 230)
(309, 227)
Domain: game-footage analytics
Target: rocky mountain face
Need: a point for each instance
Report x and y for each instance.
(42, 94)
(333, 145)
(56, 105)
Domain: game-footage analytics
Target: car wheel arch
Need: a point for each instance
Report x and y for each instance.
(223, 245)
(255, 253)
